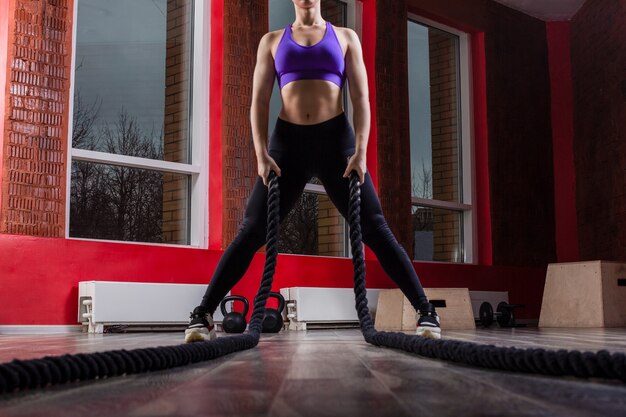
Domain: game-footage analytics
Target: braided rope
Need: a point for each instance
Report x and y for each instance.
(52, 370)
(602, 364)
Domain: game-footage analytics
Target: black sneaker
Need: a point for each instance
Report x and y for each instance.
(428, 322)
(201, 327)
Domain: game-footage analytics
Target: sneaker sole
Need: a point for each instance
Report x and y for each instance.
(430, 332)
(197, 335)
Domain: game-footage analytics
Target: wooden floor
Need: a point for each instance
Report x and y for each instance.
(321, 373)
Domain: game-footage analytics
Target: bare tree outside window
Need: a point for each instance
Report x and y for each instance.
(298, 233)
(115, 202)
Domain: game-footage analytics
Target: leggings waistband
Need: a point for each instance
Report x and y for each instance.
(318, 131)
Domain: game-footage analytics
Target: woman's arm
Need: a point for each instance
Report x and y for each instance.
(357, 82)
(262, 84)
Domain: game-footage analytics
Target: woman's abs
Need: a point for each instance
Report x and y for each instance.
(310, 101)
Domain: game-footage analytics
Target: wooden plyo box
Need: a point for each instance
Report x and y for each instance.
(584, 294)
(395, 312)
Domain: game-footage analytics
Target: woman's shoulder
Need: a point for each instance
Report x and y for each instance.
(272, 37)
(347, 33)
(270, 40)
(273, 34)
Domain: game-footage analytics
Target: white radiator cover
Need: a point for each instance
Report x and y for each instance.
(138, 303)
(315, 305)
(157, 304)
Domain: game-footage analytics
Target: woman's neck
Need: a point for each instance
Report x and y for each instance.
(308, 17)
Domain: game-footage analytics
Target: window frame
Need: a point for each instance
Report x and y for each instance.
(198, 168)
(466, 139)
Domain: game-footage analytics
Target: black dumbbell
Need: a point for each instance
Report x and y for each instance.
(234, 322)
(504, 314)
(273, 318)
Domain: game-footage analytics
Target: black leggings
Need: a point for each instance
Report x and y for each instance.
(302, 152)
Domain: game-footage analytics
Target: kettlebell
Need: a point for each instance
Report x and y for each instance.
(234, 322)
(273, 319)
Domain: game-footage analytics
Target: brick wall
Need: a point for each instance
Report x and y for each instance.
(36, 118)
(598, 51)
(331, 229)
(245, 22)
(394, 164)
(445, 142)
(176, 122)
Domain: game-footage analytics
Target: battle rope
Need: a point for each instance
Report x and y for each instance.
(51, 370)
(602, 364)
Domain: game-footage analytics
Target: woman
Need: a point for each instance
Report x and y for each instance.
(311, 59)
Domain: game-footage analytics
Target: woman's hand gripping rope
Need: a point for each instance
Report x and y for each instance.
(357, 163)
(266, 164)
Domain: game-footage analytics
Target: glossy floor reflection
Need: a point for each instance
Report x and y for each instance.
(321, 373)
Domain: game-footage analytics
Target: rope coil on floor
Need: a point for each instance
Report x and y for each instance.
(52, 370)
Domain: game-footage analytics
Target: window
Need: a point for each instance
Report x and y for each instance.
(440, 142)
(136, 170)
(314, 226)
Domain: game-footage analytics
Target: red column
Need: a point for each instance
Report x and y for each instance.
(215, 125)
(566, 229)
(482, 203)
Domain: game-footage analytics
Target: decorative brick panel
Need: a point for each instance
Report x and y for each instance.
(36, 118)
(598, 51)
(392, 106)
(245, 22)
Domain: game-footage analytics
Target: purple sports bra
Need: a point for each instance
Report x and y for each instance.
(322, 61)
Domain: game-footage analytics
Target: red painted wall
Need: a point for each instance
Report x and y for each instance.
(40, 276)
